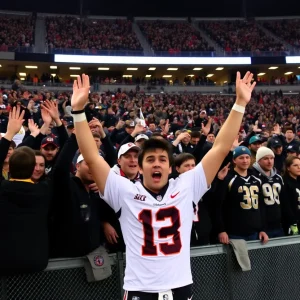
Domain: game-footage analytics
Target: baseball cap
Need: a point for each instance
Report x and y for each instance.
(203, 111)
(275, 143)
(255, 139)
(241, 150)
(49, 140)
(141, 137)
(126, 147)
(129, 123)
(79, 159)
(292, 149)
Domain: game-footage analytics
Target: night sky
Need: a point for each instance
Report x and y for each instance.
(163, 8)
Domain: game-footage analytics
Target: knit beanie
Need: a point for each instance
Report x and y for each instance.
(263, 151)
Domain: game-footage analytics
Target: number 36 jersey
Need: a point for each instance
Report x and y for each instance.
(156, 230)
(239, 208)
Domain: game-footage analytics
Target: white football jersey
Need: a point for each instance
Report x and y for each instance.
(156, 231)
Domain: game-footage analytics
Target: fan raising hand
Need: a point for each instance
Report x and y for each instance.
(244, 88)
(81, 88)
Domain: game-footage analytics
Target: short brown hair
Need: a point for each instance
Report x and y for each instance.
(22, 163)
(183, 157)
(96, 135)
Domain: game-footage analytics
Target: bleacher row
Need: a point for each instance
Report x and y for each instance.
(66, 32)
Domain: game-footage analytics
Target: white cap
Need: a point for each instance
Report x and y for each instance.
(126, 147)
(262, 152)
(141, 136)
(80, 159)
(203, 111)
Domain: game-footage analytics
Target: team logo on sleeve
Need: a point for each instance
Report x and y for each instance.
(140, 197)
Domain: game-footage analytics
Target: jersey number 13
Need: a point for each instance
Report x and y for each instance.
(146, 217)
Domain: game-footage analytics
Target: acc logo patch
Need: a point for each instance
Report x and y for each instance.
(98, 261)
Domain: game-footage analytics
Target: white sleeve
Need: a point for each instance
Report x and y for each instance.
(115, 190)
(196, 180)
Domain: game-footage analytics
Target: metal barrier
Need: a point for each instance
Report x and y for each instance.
(274, 276)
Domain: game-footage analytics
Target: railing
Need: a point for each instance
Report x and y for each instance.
(29, 49)
(96, 52)
(217, 276)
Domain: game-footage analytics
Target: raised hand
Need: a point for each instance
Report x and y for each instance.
(81, 88)
(46, 116)
(52, 108)
(33, 128)
(244, 88)
(223, 173)
(96, 126)
(206, 129)
(15, 122)
(236, 143)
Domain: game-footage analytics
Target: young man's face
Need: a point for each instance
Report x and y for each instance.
(242, 162)
(155, 169)
(267, 162)
(186, 166)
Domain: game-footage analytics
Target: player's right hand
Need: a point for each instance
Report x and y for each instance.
(81, 88)
(223, 238)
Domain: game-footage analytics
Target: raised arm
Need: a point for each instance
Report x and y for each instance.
(222, 145)
(98, 166)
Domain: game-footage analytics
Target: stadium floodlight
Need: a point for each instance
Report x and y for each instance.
(0, 66)
(73, 75)
(288, 73)
(210, 75)
(151, 60)
(74, 68)
(167, 76)
(22, 78)
(53, 74)
(147, 76)
(172, 69)
(261, 74)
(128, 76)
(53, 67)
(31, 67)
(273, 68)
(103, 69)
(219, 69)
(197, 69)
(152, 69)
(22, 74)
(192, 75)
(132, 69)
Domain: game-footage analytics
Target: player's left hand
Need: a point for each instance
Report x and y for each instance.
(263, 237)
(244, 88)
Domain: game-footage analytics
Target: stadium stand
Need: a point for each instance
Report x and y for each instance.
(15, 32)
(288, 30)
(72, 33)
(173, 37)
(239, 36)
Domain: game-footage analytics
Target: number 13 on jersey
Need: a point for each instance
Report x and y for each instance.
(147, 217)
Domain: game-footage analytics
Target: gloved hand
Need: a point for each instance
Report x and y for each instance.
(293, 230)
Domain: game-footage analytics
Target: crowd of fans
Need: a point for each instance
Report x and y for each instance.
(74, 33)
(63, 199)
(173, 37)
(239, 36)
(288, 30)
(16, 31)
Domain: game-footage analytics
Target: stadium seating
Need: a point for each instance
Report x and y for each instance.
(173, 37)
(288, 30)
(239, 36)
(72, 33)
(15, 32)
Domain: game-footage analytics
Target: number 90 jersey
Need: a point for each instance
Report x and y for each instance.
(156, 230)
